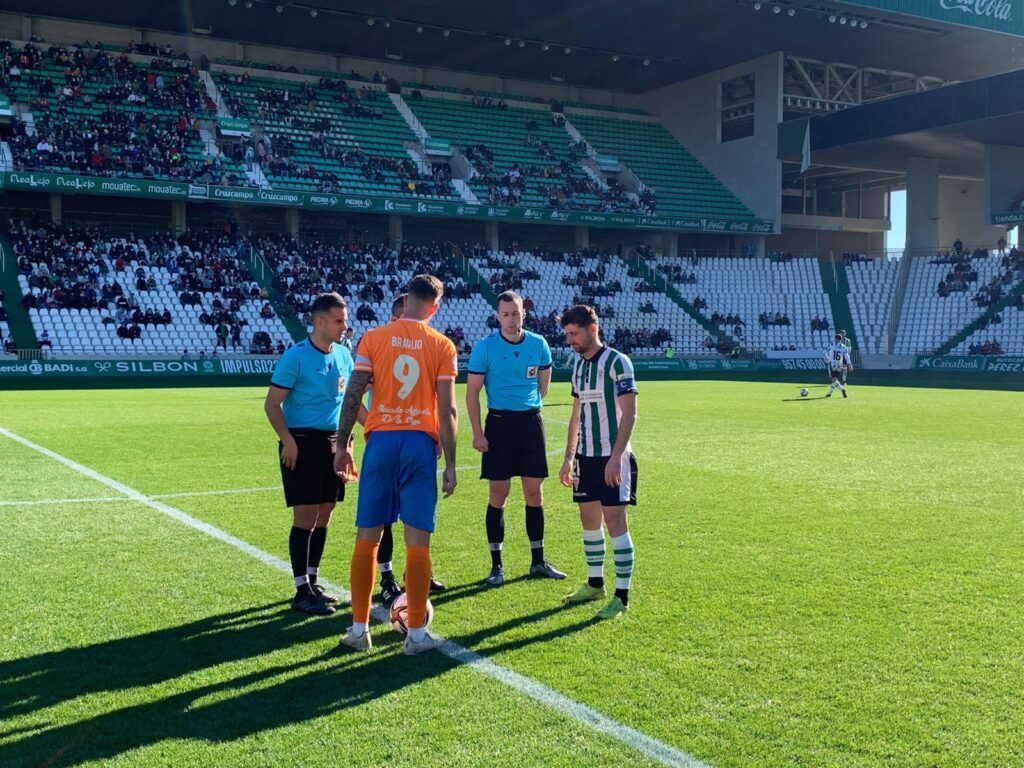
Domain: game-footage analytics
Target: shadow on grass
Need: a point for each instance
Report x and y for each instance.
(222, 711)
(462, 591)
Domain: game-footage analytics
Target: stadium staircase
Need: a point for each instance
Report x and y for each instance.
(384, 136)
(683, 185)
(264, 276)
(214, 93)
(504, 133)
(927, 320)
(473, 277)
(17, 317)
(836, 283)
(410, 119)
(578, 137)
(78, 111)
(651, 275)
(898, 297)
(1000, 306)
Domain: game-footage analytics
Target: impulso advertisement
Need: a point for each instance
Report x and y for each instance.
(139, 367)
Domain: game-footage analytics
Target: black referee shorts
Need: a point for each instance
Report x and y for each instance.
(516, 446)
(313, 481)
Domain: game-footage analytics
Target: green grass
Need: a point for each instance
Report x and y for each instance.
(819, 583)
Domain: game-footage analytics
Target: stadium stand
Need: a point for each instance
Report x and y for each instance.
(87, 294)
(765, 304)
(521, 157)
(7, 343)
(683, 186)
(369, 277)
(635, 316)
(1004, 331)
(872, 284)
(330, 138)
(98, 112)
(995, 340)
(381, 77)
(95, 110)
(941, 297)
(494, 95)
(102, 110)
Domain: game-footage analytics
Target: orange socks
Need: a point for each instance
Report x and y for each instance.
(362, 575)
(417, 585)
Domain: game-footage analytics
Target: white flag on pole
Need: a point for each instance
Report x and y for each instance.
(805, 158)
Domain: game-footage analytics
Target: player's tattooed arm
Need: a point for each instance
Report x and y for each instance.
(354, 392)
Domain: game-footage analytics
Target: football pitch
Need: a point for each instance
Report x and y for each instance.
(818, 583)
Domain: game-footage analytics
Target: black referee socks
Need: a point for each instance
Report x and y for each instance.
(298, 553)
(535, 533)
(317, 540)
(495, 533)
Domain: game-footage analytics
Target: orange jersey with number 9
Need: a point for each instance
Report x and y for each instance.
(406, 359)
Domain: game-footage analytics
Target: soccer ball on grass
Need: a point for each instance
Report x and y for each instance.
(400, 615)
(804, 392)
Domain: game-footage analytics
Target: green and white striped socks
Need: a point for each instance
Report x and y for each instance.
(593, 549)
(622, 556)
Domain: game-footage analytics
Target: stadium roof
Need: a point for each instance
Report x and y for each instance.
(681, 39)
(951, 125)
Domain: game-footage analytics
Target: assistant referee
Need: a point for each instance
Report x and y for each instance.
(303, 405)
(514, 367)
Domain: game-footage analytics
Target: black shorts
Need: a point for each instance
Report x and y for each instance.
(516, 446)
(837, 373)
(313, 481)
(588, 481)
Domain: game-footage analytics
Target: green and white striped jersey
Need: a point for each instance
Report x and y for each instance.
(598, 383)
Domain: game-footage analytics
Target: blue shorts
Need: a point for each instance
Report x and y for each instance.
(398, 480)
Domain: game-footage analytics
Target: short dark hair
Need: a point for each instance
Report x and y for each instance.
(426, 288)
(839, 337)
(510, 296)
(398, 304)
(325, 302)
(582, 315)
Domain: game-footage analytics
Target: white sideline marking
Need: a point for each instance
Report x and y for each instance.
(641, 742)
(226, 492)
(107, 499)
(36, 502)
(181, 495)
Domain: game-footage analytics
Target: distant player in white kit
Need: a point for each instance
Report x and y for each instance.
(849, 348)
(837, 358)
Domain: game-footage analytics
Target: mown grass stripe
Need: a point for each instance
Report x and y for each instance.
(641, 742)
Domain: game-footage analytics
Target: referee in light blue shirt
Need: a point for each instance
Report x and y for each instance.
(304, 406)
(514, 367)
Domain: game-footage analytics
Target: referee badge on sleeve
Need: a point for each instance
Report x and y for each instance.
(531, 372)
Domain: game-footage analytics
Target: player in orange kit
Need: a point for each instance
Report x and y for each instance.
(412, 368)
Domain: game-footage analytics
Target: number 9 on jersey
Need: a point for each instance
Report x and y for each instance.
(407, 371)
